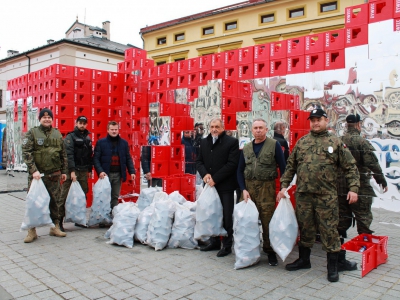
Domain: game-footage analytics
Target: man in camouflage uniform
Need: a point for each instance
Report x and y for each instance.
(256, 177)
(44, 154)
(316, 159)
(368, 166)
(80, 156)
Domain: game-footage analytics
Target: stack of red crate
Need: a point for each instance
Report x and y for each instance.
(299, 126)
(356, 22)
(295, 55)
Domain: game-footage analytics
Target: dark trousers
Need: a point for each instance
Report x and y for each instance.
(228, 203)
(115, 181)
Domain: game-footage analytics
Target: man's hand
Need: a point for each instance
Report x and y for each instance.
(281, 194)
(246, 195)
(147, 176)
(73, 176)
(207, 178)
(133, 176)
(211, 182)
(102, 175)
(63, 177)
(385, 189)
(36, 175)
(352, 197)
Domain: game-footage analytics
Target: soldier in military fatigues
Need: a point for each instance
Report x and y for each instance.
(43, 153)
(256, 177)
(80, 160)
(316, 159)
(368, 166)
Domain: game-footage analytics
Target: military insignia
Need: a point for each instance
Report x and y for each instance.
(314, 111)
(330, 149)
(24, 141)
(40, 141)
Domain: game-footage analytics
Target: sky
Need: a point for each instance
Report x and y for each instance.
(28, 24)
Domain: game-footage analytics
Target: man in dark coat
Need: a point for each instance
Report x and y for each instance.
(279, 130)
(112, 158)
(217, 163)
(190, 152)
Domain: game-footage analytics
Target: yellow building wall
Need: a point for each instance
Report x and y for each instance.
(250, 30)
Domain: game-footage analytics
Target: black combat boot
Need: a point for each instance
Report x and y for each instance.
(303, 262)
(345, 265)
(333, 275)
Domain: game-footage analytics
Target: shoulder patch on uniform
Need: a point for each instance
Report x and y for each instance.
(68, 141)
(40, 141)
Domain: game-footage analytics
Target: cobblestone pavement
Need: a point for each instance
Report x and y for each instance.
(83, 266)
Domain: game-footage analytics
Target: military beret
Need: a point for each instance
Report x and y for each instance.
(319, 112)
(45, 112)
(353, 118)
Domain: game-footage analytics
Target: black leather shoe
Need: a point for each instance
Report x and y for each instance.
(210, 247)
(272, 260)
(224, 252)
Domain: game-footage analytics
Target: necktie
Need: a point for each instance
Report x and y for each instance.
(214, 139)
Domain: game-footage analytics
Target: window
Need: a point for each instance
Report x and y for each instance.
(231, 25)
(179, 37)
(298, 12)
(178, 59)
(161, 62)
(267, 18)
(208, 30)
(161, 41)
(329, 6)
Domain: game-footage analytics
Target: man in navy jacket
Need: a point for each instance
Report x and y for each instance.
(217, 164)
(112, 158)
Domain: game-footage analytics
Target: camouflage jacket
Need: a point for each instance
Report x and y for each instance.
(366, 161)
(316, 159)
(30, 148)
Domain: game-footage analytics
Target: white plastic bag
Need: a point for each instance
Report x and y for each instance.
(160, 225)
(246, 234)
(142, 224)
(75, 205)
(122, 230)
(146, 197)
(37, 211)
(209, 215)
(283, 228)
(182, 234)
(100, 210)
(177, 198)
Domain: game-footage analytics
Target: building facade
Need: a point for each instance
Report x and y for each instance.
(240, 25)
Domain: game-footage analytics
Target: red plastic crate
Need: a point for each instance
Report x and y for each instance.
(64, 124)
(277, 50)
(229, 88)
(246, 55)
(182, 80)
(367, 258)
(396, 9)
(99, 88)
(82, 73)
(121, 67)
(204, 76)
(192, 93)
(396, 24)
(380, 10)
(188, 182)
(217, 73)
(231, 57)
(193, 64)
(229, 104)
(205, 62)
(58, 70)
(98, 125)
(261, 53)
(356, 15)
(244, 104)
(98, 100)
(334, 59)
(314, 43)
(357, 35)
(82, 86)
(278, 67)
(314, 62)
(193, 79)
(298, 120)
(295, 46)
(334, 40)
(278, 101)
(261, 69)
(295, 135)
(181, 123)
(244, 90)
(161, 84)
(295, 64)
(167, 109)
(161, 71)
(182, 67)
(134, 53)
(159, 169)
(381, 246)
(81, 110)
(140, 111)
(217, 61)
(64, 97)
(176, 167)
(171, 69)
(293, 101)
(171, 184)
(99, 112)
(99, 76)
(170, 82)
(182, 110)
(160, 153)
(115, 77)
(59, 84)
(229, 121)
(81, 99)
(245, 71)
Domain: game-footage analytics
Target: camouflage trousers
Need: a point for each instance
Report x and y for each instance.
(361, 211)
(82, 178)
(53, 186)
(318, 212)
(262, 193)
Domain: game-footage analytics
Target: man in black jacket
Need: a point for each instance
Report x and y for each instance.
(279, 131)
(217, 163)
(80, 153)
(112, 158)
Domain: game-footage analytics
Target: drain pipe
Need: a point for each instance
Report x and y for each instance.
(29, 63)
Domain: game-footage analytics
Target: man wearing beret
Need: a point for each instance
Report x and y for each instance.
(368, 166)
(44, 154)
(316, 159)
(78, 146)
